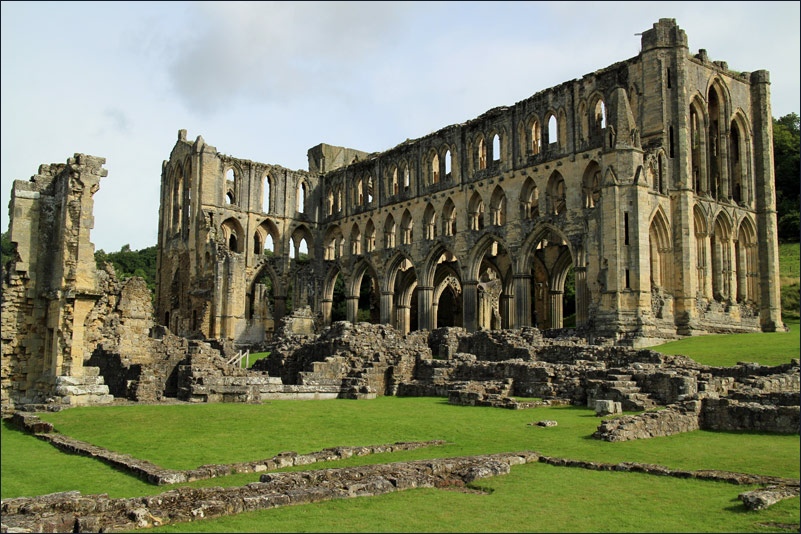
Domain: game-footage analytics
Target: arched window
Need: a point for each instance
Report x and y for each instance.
(407, 228)
(230, 186)
(482, 154)
(389, 232)
(393, 190)
(435, 169)
(448, 165)
(529, 200)
(449, 218)
(369, 236)
(553, 131)
(369, 189)
(265, 201)
(476, 212)
(430, 219)
(496, 148)
(536, 138)
(302, 197)
(556, 194)
(406, 178)
(498, 207)
(355, 241)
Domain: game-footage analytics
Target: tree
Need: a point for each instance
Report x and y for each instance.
(787, 174)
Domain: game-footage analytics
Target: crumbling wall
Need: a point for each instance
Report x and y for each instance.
(50, 287)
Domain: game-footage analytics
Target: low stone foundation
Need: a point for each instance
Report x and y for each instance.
(73, 512)
(706, 414)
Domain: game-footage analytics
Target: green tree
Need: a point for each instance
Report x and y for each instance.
(128, 263)
(787, 174)
(7, 248)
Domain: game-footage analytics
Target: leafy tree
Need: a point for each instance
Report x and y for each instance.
(128, 263)
(787, 174)
(7, 248)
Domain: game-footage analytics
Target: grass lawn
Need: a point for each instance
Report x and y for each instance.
(532, 498)
(770, 348)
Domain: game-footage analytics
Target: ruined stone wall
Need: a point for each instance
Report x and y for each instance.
(50, 287)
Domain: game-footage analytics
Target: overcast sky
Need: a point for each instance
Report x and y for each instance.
(266, 81)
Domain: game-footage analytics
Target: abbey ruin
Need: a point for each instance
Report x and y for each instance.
(637, 202)
(647, 184)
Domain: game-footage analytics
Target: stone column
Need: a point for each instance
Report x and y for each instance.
(387, 301)
(470, 305)
(582, 304)
(352, 312)
(280, 308)
(522, 300)
(507, 310)
(556, 309)
(770, 306)
(424, 312)
(402, 316)
(326, 309)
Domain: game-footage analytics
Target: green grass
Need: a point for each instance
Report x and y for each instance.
(534, 497)
(789, 266)
(768, 348)
(253, 358)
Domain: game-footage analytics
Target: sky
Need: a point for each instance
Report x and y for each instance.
(266, 81)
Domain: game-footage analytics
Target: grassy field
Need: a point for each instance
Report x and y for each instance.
(532, 497)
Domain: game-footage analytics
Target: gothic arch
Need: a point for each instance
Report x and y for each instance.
(430, 222)
(747, 263)
(556, 196)
(299, 236)
(529, 200)
(369, 236)
(233, 234)
(591, 185)
(498, 207)
(476, 212)
(721, 245)
(661, 251)
(449, 218)
(740, 160)
(333, 243)
(389, 232)
(267, 234)
(407, 228)
(355, 240)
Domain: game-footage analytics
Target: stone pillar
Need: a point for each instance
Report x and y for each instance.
(556, 309)
(470, 305)
(280, 307)
(507, 310)
(387, 301)
(352, 309)
(770, 306)
(424, 312)
(402, 317)
(582, 296)
(522, 300)
(326, 309)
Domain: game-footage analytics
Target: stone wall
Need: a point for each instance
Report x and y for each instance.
(50, 287)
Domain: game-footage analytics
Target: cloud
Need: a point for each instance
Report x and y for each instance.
(277, 50)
